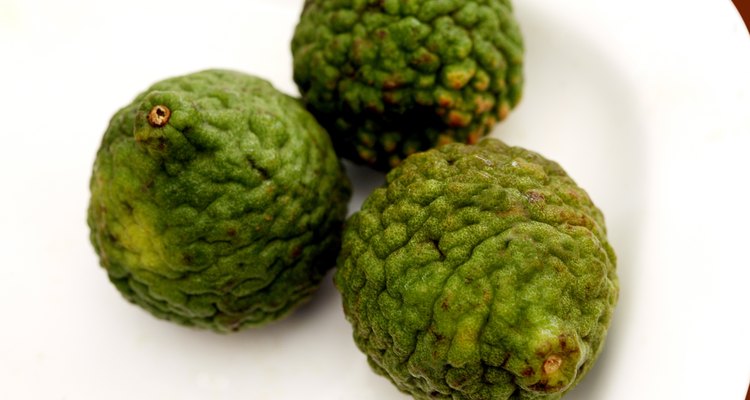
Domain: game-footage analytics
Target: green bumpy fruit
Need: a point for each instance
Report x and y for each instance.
(388, 78)
(216, 201)
(478, 272)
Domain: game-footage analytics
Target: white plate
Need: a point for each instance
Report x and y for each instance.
(645, 103)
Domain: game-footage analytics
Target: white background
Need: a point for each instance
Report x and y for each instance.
(645, 103)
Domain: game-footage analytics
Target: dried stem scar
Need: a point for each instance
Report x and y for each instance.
(552, 364)
(159, 116)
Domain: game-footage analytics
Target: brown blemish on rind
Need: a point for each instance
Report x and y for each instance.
(296, 251)
(159, 116)
(551, 364)
(503, 110)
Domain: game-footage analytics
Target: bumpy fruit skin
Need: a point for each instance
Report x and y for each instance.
(478, 272)
(388, 78)
(216, 201)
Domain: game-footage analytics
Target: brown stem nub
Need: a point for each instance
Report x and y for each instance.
(159, 116)
(551, 364)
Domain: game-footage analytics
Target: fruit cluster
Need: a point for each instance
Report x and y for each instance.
(478, 271)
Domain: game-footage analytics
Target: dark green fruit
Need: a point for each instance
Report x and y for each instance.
(388, 78)
(479, 272)
(216, 201)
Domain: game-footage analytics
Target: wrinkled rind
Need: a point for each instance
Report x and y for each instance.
(390, 78)
(228, 216)
(473, 270)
